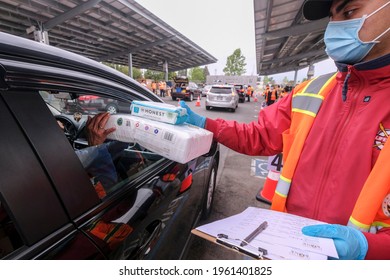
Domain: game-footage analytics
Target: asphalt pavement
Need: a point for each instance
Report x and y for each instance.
(236, 185)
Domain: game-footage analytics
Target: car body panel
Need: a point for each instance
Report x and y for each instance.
(52, 209)
(206, 90)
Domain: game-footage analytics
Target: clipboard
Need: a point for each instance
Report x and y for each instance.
(282, 239)
(233, 245)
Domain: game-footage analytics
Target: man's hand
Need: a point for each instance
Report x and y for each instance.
(96, 132)
(350, 243)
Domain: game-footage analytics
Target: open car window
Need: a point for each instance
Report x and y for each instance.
(111, 165)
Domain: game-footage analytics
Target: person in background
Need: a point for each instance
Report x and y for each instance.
(154, 87)
(333, 131)
(249, 93)
(162, 86)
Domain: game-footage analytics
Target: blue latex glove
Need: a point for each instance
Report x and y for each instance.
(350, 243)
(193, 118)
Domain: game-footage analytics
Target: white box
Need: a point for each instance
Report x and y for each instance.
(158, 111)
(180, 143)
(124, 131)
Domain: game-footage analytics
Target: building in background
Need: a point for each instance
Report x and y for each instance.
(222, 79)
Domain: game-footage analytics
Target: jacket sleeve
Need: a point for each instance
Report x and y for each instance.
(378, 245)
(258, 138)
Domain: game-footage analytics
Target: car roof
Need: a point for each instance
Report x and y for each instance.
(15, 49)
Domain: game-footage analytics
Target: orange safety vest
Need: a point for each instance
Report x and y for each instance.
(370, 208)
(273, 95)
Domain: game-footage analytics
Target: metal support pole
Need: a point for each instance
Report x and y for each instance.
(131, 65)
(295, 77)
(41, 36)
(310, 71)
(165, 69)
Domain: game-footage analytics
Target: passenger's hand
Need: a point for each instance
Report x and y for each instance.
(350, 243)
(193, 118)
(96, 132)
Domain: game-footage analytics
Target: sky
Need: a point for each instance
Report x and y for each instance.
(220, 27)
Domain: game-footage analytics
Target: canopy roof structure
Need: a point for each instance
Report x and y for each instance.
(104, 30)
(285, 40)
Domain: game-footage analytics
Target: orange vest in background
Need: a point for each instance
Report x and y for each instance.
(273, 95)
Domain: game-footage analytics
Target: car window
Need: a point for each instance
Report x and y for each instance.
(221, 90)
(112, 165)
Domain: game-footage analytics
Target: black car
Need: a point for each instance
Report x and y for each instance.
(240, 89)
(185, 90)
(60, 201)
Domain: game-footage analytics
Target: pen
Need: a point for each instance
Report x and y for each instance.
(255, 233)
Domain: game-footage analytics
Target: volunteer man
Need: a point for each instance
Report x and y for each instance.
(333, 132)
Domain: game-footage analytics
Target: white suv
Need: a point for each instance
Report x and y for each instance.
(222, 96)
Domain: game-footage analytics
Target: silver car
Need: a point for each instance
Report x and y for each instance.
(222, 96)
(206, 90)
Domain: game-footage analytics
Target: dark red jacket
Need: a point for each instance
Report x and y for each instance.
(339, 152)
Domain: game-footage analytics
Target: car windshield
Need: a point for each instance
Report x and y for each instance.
(221, 90)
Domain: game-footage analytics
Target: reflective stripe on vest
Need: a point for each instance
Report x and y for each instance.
(372, 208)
(365, 215)
(305, 106)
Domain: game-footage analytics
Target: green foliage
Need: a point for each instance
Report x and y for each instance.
(154, 75)
(268, 80)
(171, 75)
(235, 64)
(137, 74)
(196, 74)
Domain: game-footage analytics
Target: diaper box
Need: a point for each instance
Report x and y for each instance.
(159, 111)
(180, 143)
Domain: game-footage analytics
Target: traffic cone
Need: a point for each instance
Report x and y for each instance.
(198, 102)
(270, 185)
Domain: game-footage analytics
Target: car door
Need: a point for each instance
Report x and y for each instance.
(37, 180)
(148, 211)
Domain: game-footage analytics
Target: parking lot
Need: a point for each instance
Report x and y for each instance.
(236, 186)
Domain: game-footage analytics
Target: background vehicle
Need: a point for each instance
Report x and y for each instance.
(206, 90)
(222, 96)
(185, 90)
(240, 89)
(96, 104)
(130, 204)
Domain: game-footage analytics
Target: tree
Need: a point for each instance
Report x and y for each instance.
(196, 74)
(125, 70)
(235, 64)
(137, 74)
(154, 75)
(268, 80)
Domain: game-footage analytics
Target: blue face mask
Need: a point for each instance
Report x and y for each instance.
(342, 39)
